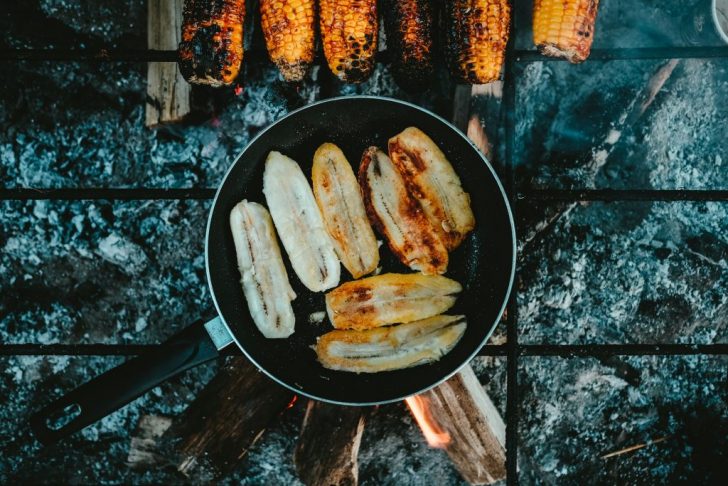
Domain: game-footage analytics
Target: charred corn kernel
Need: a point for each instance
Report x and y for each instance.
(288, 28)
(564, 28)
(409, 28)
(211, 50)
(476, 35)
(349, 37)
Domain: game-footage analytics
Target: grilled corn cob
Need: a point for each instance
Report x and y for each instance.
(339, 198)
(476, 34)
(299, 223)
(431, 179)
(390, 298)
(211, 50)
(564, 28)
(399, 216)
(288, 28)
(349, 36)
(390, 348)
(264, 277)
(409, 28)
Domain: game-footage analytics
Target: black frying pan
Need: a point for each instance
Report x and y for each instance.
(483, 264)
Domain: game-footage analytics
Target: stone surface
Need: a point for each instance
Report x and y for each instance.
(615, 273)
(101, 272)
(678, 143)
(575, 411)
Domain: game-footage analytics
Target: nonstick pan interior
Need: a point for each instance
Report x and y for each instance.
(483, 264)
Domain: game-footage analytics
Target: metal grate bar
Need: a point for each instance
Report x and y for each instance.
(634, 53)
(95, 193)
(512, 396)
(101, 54)
(598, 350)
(114, 54)
(624, 195)
(560, 350)
(125, 194)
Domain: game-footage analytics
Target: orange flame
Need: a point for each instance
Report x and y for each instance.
(435, 436)
(292, 402)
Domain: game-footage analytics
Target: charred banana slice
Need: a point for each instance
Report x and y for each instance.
(390, 298)
(299, 223)
(398, 215)
(431, 178)
(390, 348)
(264, 277)
(339, 198)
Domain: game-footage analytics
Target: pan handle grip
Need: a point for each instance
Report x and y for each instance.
(194, 345)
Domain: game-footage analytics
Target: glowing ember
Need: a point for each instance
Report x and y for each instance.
(292, 402)
(435, 436)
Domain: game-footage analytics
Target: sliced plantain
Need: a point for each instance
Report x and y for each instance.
(339, 199)
(264, 277)
(390, 348)
(390, 298)
(299, 223)
(399, 216)
(431, 178)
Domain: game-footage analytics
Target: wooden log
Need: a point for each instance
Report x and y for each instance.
(328, 446)
(144, 448)
(477, 112)
(468, 427)
(168, 94)
(219, 427)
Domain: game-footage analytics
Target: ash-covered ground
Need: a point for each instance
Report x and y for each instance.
(132, 272)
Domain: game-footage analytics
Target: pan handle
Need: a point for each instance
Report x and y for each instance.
(194, 345)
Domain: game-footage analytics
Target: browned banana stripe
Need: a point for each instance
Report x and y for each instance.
(398, 215)
(349, 37)
(288, 27)
(409, 28)
(211, 51)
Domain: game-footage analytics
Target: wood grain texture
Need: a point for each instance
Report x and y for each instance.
(225, 420)
(477, 432)
(328, 446)
(168, 94)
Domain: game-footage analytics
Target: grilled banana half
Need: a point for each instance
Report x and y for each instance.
(409, 28)
(349, 37)
(390, 298)
(211, 51)
(264, 277)
(399, 216)
(299, 223)
(390, 348)
(432, 180)
(339, 199)
(288, 28)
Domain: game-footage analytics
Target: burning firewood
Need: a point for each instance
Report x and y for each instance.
(168, 95)
(328, 446)
(459, 417)
(218, 428)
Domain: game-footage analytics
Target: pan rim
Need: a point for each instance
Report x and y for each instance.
(511, 277)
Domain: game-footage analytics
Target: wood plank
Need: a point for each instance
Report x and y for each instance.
(473, 432)
(219, 427)
(168, 94)
(328, 446)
